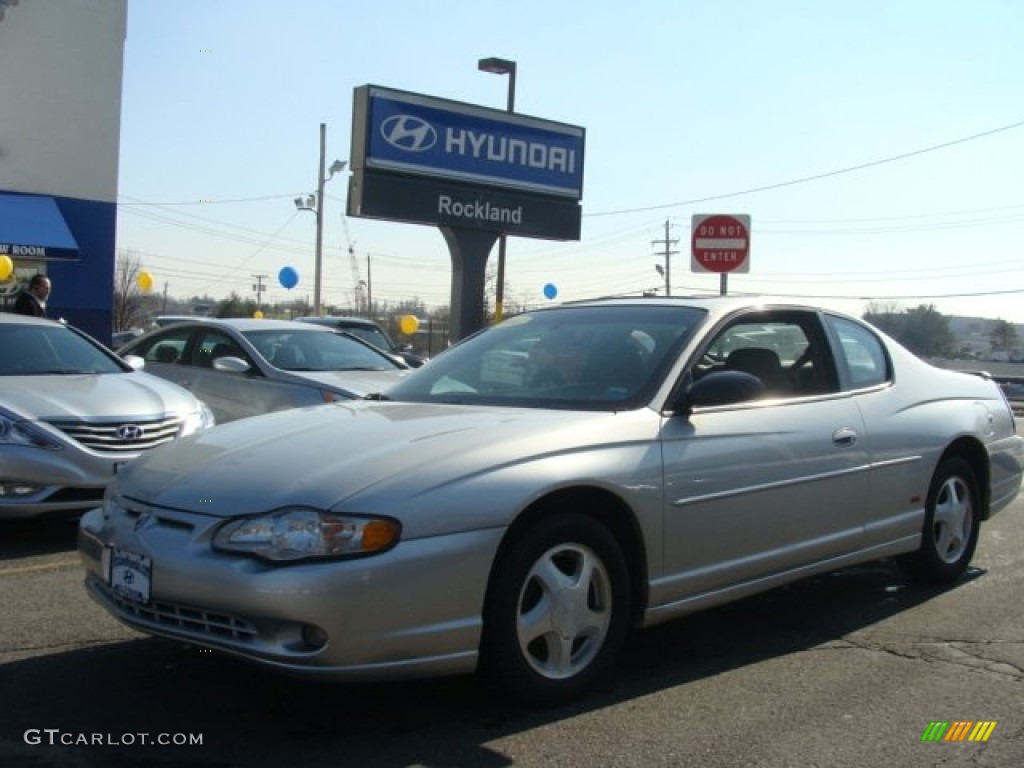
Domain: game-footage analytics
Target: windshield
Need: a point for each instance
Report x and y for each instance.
(34, 350)
(316, 350)
(588, 357)
(370, 335)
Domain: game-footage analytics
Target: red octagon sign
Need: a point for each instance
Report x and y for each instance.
(720, 243)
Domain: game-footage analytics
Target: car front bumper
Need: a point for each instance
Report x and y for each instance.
(54, 481)
(413, 611)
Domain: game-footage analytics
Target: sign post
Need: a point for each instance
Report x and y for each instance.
(720, 243)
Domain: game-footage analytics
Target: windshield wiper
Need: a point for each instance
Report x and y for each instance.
(376, 396)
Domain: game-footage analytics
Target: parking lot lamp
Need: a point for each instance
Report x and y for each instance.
(498, 66)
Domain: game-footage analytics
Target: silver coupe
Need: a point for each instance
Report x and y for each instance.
(518, 504)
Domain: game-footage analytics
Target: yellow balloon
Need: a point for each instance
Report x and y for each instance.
(6, 267)
(409, 324)
(257, 315)
(145, 281)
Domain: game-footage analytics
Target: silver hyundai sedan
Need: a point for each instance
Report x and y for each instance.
(244, 367)
(535, 491)
(72, 414)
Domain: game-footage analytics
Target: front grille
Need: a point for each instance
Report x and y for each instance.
(121, 436)
(212, 624)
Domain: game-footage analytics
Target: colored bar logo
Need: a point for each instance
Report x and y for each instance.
(958, 730)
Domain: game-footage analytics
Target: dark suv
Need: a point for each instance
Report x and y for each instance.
(371, 332)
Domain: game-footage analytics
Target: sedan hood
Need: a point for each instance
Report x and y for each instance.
(368, 455)
(97, 397)
(357, 383)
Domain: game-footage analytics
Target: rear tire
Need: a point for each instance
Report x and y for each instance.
(951, 525)
(557, 610)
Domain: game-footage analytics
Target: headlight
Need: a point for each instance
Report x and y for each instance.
(299, 533)
(16, 432)
(201, 419)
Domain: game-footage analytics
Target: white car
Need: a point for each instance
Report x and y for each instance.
(72, 413)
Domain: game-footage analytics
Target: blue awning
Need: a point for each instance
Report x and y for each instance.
(32, 227)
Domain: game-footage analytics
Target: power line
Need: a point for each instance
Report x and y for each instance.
(815, 177)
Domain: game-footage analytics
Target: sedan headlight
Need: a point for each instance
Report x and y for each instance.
(199, 420)
(16, 432)
(300, 533)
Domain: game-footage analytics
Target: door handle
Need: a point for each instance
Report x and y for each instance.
(846, 436)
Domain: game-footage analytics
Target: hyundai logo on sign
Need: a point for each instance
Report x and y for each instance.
(408, 132)
(414, 134)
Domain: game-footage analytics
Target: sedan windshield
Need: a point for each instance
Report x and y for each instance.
(316, 350)
(33, 350)
(585, 357)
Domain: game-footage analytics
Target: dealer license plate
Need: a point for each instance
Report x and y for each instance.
(131, 575)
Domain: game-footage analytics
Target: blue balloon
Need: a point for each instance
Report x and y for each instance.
(288, 277)
(550, 290)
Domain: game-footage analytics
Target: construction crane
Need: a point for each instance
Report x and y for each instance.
(358, 284)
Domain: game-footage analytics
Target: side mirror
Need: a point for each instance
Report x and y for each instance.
(137, 363)
(722, 388)
(230, 365)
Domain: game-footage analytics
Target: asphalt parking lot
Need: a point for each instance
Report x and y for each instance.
(848, 669)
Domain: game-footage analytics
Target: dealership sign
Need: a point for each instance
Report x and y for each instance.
(423, 135)
(427, 160)
(418, 200)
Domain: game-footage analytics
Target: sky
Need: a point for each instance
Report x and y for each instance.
(877, 146)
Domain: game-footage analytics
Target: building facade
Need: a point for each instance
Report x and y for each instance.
(60, 100)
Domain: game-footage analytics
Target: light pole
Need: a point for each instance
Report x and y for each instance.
(498, 66)
(315, 203)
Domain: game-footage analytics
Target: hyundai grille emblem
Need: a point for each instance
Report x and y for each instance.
(408, 132)
(129, 432)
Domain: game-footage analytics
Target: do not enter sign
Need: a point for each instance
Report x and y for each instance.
(720, 243)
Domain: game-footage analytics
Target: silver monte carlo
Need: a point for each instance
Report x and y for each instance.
(535, 491)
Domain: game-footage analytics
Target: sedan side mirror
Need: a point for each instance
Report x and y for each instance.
(230, 365)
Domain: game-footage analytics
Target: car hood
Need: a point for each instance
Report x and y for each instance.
(357, 383)
(366, 456)
(94, 396)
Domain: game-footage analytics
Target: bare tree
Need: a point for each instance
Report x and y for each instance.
(131, 305)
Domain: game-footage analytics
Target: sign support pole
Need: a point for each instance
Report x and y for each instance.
(469, 249)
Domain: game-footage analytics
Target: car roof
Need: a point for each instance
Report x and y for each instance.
(13, 319)
(717, 306)
(340, 320)
(243, 324)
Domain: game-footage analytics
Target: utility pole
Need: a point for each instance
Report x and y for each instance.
(668, 243)
(258, 289)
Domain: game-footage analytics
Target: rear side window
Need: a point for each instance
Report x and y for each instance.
(861, 354)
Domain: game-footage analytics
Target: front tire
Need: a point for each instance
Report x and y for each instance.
(557, 610)
(951, 525)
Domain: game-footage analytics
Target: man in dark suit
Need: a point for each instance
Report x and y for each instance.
(32, 301)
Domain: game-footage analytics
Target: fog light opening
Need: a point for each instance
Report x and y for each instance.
(314, 636)
(17, 490)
